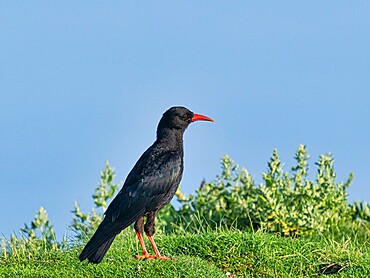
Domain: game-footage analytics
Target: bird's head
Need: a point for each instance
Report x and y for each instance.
(179, 118)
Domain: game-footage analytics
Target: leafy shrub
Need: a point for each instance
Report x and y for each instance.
(286, 203)
(40, 228)
(39, 236)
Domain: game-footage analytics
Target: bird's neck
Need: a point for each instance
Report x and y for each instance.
(172, 138)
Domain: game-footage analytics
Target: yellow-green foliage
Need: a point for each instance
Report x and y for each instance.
(289, 203)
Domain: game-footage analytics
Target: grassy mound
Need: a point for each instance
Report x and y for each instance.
(208, 254)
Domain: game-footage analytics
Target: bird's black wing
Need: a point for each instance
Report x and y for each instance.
(151, 184)
(153, 177)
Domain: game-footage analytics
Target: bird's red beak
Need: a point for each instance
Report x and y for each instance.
(199, 117)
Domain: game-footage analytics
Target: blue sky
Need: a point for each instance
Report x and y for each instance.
(84, 82)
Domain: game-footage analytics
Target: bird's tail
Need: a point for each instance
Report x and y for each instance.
(100, 242)
(94, 253)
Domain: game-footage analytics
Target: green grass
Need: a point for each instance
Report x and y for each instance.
(207, 254)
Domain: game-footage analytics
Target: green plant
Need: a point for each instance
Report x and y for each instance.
(288, 203)
(361, 211)
(40, 228)
(37, 237)
(86, 223)
(294, 205)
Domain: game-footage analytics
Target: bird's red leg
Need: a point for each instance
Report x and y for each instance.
(156, 251)
(146, 254)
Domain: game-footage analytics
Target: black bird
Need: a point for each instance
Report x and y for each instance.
(149, 186)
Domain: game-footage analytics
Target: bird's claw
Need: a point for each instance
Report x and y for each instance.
(145, 257)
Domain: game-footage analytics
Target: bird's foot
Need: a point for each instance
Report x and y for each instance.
(146, 256)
